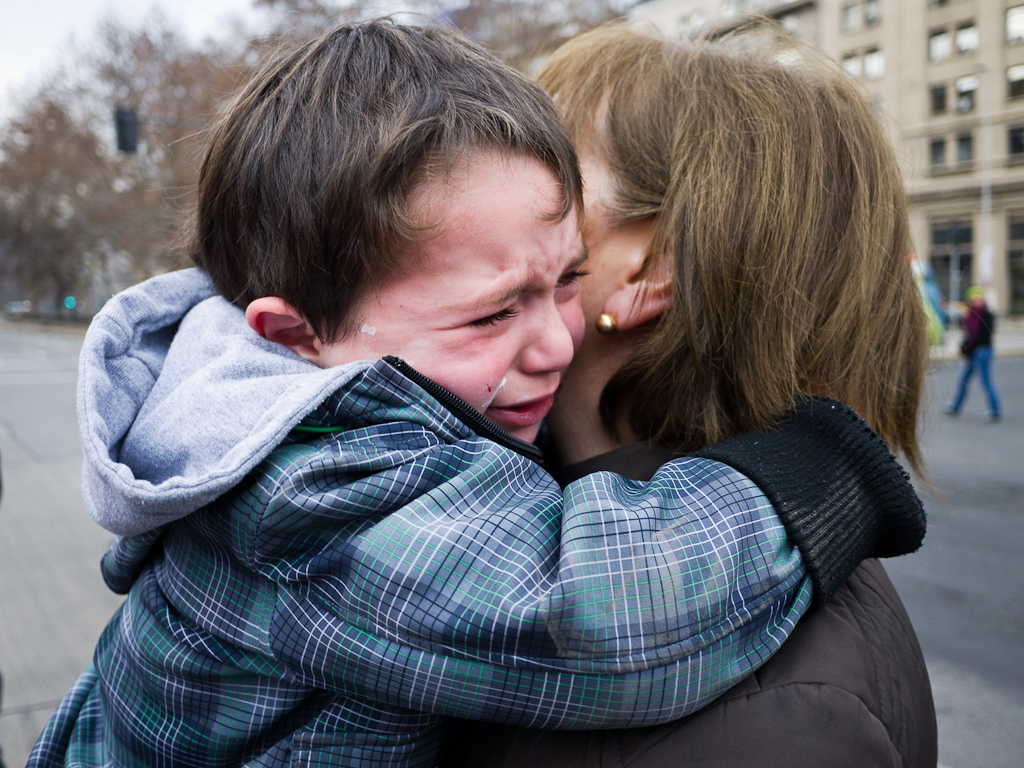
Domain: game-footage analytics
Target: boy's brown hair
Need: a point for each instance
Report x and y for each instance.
(302, 192)
(777, 198)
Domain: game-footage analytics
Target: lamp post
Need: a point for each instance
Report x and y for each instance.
(986, 254)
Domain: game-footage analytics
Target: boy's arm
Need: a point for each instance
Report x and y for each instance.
(477, 589)
(491, 596)
(835, 486)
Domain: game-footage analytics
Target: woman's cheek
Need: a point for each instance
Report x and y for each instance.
(572, 316)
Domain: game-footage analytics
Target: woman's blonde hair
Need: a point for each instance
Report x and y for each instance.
(777, 197)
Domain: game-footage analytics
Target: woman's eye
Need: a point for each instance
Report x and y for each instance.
(497, 317)
(571, 277)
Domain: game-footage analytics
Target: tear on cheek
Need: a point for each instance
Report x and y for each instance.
(493, 394)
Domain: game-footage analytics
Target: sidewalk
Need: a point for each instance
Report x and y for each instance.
(1008, 341)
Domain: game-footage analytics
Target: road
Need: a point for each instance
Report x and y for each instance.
(962, 590)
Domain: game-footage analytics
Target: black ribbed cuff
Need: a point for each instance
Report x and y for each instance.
(836, 487)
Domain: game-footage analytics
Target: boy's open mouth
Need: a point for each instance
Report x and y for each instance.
(520, 415)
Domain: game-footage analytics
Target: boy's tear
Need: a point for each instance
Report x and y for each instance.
(493, 394)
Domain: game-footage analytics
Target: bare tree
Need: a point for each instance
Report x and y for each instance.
(76, 216)
(51, 164)
(518, 31)
(176, 91)
(522, 32)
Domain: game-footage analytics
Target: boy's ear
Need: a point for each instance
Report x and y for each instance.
(641, 300)
(276, 320)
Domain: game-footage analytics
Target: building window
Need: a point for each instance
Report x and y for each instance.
(938, 97)
(950, 257)
(871, 65)
(874, 64)
(1015, 23)
(872, 12)
(1015, 81)
(940, 45)
(851, 64)
(692, 24)
(967, 38)
(938, 153)
(1015, 142)
(966, 87)
(791, 23)
(964, 148)
(850, 20)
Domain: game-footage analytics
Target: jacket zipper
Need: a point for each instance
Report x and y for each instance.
(472, 417)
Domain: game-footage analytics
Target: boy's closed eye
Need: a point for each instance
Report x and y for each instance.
(500, 316)
(571, 277)
(568, 279)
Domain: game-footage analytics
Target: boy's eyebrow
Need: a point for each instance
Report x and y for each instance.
(524, 285)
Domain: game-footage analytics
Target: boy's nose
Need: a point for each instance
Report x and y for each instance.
(553, 345)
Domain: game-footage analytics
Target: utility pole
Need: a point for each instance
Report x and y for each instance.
(986, 255)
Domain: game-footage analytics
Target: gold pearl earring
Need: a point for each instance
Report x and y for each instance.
(606, 324)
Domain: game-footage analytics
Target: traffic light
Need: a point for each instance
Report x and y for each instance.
(126, 123)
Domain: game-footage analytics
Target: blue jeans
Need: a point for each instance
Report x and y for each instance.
(980, 361)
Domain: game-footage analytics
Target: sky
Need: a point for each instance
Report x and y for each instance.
(33, 33)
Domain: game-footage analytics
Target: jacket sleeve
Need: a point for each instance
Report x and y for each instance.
(467, 583)
(458, 579)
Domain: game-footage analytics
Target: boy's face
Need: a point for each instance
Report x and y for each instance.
(490, 305)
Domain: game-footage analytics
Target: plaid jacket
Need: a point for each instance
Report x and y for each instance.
(385, 566)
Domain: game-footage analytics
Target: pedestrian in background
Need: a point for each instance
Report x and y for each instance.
(976, 349)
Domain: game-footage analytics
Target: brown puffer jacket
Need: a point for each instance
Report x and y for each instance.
(849, 688)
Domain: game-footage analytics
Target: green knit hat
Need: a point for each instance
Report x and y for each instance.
(975, 292)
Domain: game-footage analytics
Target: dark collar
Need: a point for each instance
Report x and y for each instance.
(636, 461)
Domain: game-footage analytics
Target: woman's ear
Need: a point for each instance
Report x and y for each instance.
(276, 320)
(641, 300)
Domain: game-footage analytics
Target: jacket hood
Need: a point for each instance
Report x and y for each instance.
(178, 399)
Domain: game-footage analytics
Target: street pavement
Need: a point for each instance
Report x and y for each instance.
(962, 590)
(54, 603)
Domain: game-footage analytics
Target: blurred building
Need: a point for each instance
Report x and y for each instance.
(948, 78)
